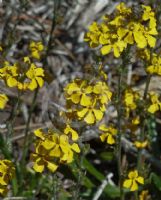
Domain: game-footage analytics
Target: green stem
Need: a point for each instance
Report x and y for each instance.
(140, 161)
(10, 123)
(10, 127)
(119, 148)
(121, 71)
(142, 131)
(26, 139)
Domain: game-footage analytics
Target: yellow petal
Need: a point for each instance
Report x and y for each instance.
(89, 119)
(48, 144)
(133, 174)
(82, 112)
(3, 181)
(75, 98)
(121, 32)
(75, 147)
(56, 152)
(39, 71)
(85, 100)
(110, 139)
(140, 180)
(103, 127)
(103, 137)
(3, 100)
(40, 81)
(134, 186)
(129, 38)
(51, 166)
(32, 85)
(69, 130)
(98, 114)
(39, 166)
(153, 108)
(106, 49)
(11, 82)
(116, 51)
(140, 39)
(39, 133)
(127, 183)
(151, 40)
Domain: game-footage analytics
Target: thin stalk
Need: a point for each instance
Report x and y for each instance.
(26, 139)
(55, 180)
(140, 161)
(142, 132)
(121, 71)
(119, 148)
(10, 127)
(11, 121)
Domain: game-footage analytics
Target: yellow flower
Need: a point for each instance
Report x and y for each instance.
(114, 44)
(35, 74)
(136, 120)
(155, 67)
(3, 190)
(148, 14)
(89, 100)
(52, 148)
(3, 100)
(109, 134)
(123, 9)
(90, 113)
(144, 195)
(22, 86)
(77, 92)
(122, 28)
(41, 161)
(144, 54)
(69, 130)
(26, 59)
(7, 172)
(135, 31)
(130, 100)
(133, 180)
(141, 145)
(93, 35)
(102, 74)
(103, 92)
(9, 74)
(42, 157)
(155, 103)
(36, 48)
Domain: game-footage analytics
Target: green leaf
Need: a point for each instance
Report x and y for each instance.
(4, 149)
(107, 156)
(92, 170)
(157, 180)
(110, 190)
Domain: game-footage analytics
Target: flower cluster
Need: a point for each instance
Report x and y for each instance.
(155, 103)
(130, 99)
(3, 100)
(87, 100)
(155, 65)
(52, 148)
(124, 27)
(23, 75)
(7, 171)
(133, 180)
(36, 49)
(108, 134)
(144, 195)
